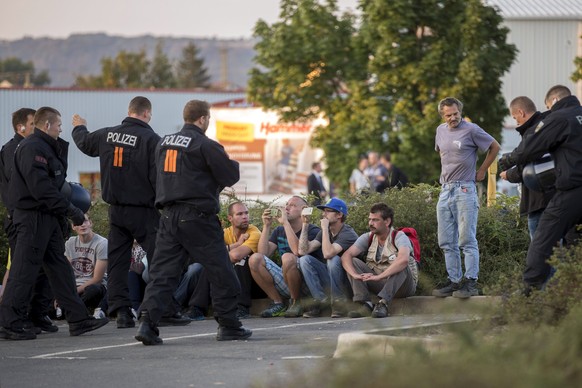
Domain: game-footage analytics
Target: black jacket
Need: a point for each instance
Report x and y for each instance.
(126, 155)
(394, 177)
(560, 133)
(531, 200)
(193, 169)
(40, 169)
(315, 187)
(6, 167)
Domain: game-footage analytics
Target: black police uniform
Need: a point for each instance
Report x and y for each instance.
(192, 171)
(560, 133)
(128, 183)
(39, 173)
(42, 296)
(531, 201)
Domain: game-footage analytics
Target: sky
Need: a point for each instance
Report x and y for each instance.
(227, 19)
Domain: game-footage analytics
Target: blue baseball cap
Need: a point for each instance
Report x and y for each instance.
(335, 204)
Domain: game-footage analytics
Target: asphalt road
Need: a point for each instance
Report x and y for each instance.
(189, 357)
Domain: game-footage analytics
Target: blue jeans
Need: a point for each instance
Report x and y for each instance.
(457, 214)
(533, 219)
(323, 279)
(188, 284)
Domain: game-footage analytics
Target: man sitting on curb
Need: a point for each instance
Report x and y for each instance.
(241, 239)
(286, 282)
(389, 271)
(327, 276)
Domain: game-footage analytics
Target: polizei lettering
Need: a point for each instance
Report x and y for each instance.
(176, 141)
(122, 138)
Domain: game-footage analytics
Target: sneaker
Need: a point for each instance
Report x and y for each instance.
(232, 334)
(295, 310)
(380, 310)
(18, 333)
(274, 310)
(467, 290)
(44, 323)
(125, 318)
(314, 310)
(195, 314)
(446, 290)
(364, 310)
(98, 313)
(242, 312)
(89, 324)
(338, 310)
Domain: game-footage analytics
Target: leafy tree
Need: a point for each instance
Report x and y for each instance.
(304, 60)
(430, 49)
(191, 72)
(393, 69)
(160, 74)
(126, 70)
(577, 75)
(20, 73)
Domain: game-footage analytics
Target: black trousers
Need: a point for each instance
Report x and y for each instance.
(42, 296)
(39, 243)
(562, 213)
(202, 292)
(93, 296)
(126, 224)
(185, 233)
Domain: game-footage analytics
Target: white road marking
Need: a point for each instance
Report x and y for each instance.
(167, 339)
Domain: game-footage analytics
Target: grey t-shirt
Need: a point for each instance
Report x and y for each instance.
(401, 240)
(345, 238)
(458, 150)
(83, 256)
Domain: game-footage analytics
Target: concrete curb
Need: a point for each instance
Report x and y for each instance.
(418, 305)
(384, 342)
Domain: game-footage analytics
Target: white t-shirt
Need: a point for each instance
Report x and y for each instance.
(83, 257)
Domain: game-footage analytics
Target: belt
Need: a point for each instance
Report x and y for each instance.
(456, 184)
(197, 211)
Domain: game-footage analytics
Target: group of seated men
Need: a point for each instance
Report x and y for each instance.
(321, 267)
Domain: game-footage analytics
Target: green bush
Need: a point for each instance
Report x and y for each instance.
(550, 306)
(532, 341)
(519, 356)
(502, 237)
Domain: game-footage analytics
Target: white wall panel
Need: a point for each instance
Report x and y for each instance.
(101, 108)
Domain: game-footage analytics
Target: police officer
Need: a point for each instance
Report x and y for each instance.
(128, 184)
(23, 125)
(532, 203)
(192, 171)
(39, 173)
(560, 133)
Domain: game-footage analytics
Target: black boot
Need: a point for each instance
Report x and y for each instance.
(44, 323)
(125, 318)
(147, 332)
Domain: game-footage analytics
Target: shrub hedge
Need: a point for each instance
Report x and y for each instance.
(502, 236)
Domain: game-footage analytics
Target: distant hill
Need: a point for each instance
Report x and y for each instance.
(81, 54)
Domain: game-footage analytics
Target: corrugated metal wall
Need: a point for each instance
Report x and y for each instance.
(101, 109)
(547, 49)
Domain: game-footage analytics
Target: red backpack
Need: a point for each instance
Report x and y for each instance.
(412, 236)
